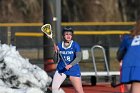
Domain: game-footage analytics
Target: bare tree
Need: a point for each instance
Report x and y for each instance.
(21, 10)
(90, 10)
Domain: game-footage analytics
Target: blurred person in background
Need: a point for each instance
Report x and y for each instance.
(70, 53)
(128, 54)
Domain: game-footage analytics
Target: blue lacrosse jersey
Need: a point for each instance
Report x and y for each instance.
(68, 54)
(131, 60)
(132, 45)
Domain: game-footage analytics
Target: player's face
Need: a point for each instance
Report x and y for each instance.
(68, 36)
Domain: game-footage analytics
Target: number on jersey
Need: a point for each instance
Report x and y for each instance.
(136, 41)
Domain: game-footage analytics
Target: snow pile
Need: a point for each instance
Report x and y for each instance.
(18, 75)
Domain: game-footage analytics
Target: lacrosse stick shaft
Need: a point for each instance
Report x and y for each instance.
(62, 58)
(48, 31)
(60, 53)
(122, 88)
(113, 84)
(116, 85)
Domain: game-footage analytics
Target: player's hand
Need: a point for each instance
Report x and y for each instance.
(68, 67)
(121, 63)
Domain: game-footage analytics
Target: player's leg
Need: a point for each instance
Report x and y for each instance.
(77, 84)
(58, 79)
(135, 87)
(128, 88)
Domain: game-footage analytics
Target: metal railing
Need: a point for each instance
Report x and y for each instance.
(105, 61)
(96, 73)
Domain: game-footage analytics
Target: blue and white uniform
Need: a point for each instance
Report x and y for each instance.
(68, 54)
(131, 59)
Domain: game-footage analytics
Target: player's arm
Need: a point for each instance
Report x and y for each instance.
(77, 59)
(78, 55)
(122, 50)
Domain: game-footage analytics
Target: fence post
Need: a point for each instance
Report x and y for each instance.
(8, 35)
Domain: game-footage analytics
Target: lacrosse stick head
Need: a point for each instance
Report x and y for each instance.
(47, 30)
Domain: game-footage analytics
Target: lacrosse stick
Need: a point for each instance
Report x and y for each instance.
(48, 31)
(114, 84)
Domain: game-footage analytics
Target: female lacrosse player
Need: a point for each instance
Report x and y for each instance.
(129, 54)
(68, 67)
